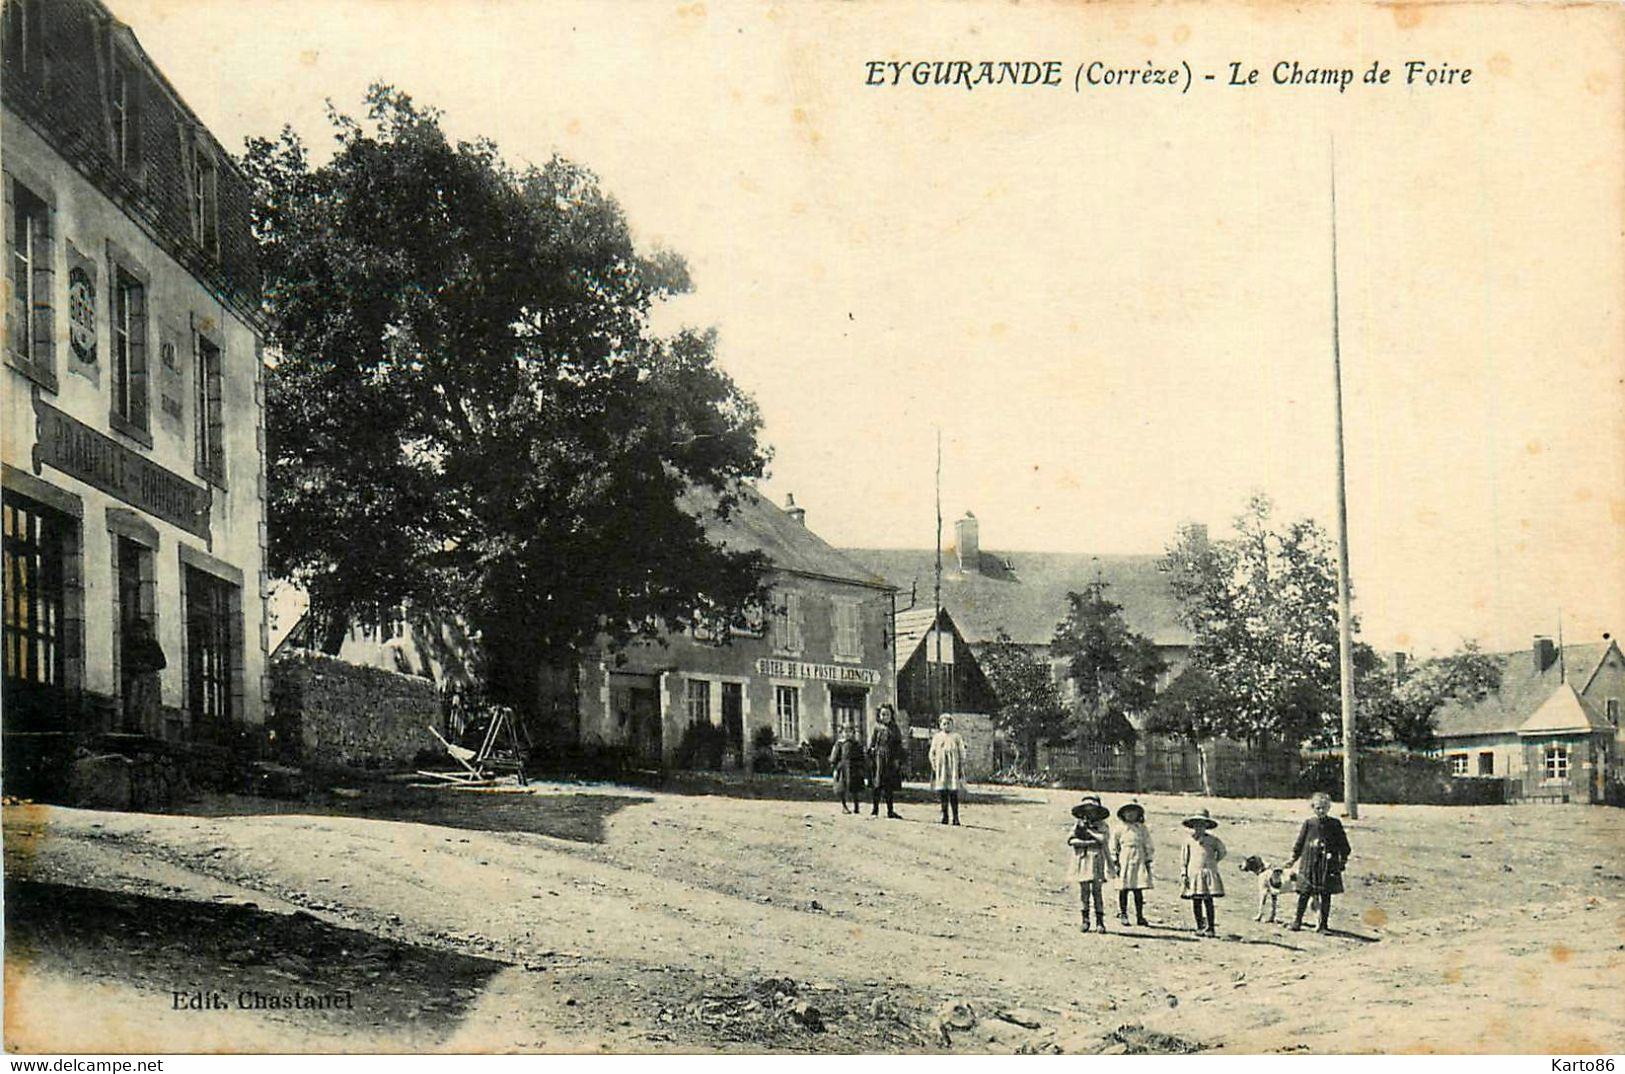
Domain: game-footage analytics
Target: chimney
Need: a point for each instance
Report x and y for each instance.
(790, 508)
(1545, 653)
(968, 540)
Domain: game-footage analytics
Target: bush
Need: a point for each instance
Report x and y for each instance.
(762, 738)
(701, 746)
(1016, 776)
(817, 748)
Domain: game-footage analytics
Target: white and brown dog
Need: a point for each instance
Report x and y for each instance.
(1273, 882)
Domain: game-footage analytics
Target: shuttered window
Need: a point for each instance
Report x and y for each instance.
(211, 448)
(130, 350)
(30, 323)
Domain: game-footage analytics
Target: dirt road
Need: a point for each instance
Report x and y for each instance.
(576, 918)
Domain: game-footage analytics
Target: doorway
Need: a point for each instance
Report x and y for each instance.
(848, 707)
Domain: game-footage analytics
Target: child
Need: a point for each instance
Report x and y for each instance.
(846, 768)
(1199, 871)
(1320, 853)
(1131, 853)
(1090, 859)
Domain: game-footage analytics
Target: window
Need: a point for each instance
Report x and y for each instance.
(124, 103)
(1611, 709)
(22, 34)
(698, 701)
(848, 635)
(787, 623)
(205, 200)
(1458, 764)
(787, 711)
(211, 449)
(29, 329)
(209, 654)
(1486, 764)
(35, 643)
(129, 351)
(1557, 762)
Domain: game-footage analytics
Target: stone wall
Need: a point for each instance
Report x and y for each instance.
(327, 712)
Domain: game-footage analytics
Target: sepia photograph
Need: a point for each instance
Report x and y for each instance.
(973, 528)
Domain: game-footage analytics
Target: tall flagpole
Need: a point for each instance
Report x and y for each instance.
(936, 620)
(1345, 640)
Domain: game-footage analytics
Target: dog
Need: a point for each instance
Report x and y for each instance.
(1273, 881)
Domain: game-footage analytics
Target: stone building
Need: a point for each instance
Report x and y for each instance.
(820, 656)
(1025, 593)
(1551, 729)
(133, 409)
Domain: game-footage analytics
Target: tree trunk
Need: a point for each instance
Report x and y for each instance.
(1202, 768)
(330, 630)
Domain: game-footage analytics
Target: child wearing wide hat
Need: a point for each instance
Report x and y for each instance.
(1199, 879)
(1090, 857)
(1131, 853)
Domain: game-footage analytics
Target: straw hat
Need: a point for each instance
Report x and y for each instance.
(1200, 819)
(1090, 808)
(1127, 807)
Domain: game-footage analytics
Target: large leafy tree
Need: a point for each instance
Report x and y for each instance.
(1403, 711)
(1193, 707)
(1262, 608)
(467, 409)
(1114, 670)
(1030, 707)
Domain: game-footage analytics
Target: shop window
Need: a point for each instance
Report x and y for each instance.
(787, 713)
(1486, 764)
(36, 547)
(1458, 764)
(30, 324)
(1557, 763)
(209, 648)
(129, 353)
(211, 448)
(698, 701)
(848, 634)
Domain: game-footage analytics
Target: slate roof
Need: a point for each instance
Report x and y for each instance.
(757, 525)
(1523, 692)
(1564, 711)
(1024, 593)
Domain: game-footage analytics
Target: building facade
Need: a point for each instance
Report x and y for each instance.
(1551, 729)
(133, 391)
(819, 656)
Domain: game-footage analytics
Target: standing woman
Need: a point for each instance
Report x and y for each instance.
(886, 760)
(948, 766)
(846, 768)
(1320, 853)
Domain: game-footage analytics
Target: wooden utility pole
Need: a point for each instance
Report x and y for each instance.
(1345, 639)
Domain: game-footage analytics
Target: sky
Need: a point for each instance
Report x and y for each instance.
(1114, 303)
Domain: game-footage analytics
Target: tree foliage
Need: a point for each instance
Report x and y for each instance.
(1403, 711)
(1030, 708)
(1113, 669)
(467, 409)
(1262, 608)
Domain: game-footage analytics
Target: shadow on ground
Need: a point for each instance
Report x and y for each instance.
(580, 817)
(177, 945)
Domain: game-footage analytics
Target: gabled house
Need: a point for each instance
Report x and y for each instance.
(1552, 727)
(819, 657)
(939, 674)
(1024, 594)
